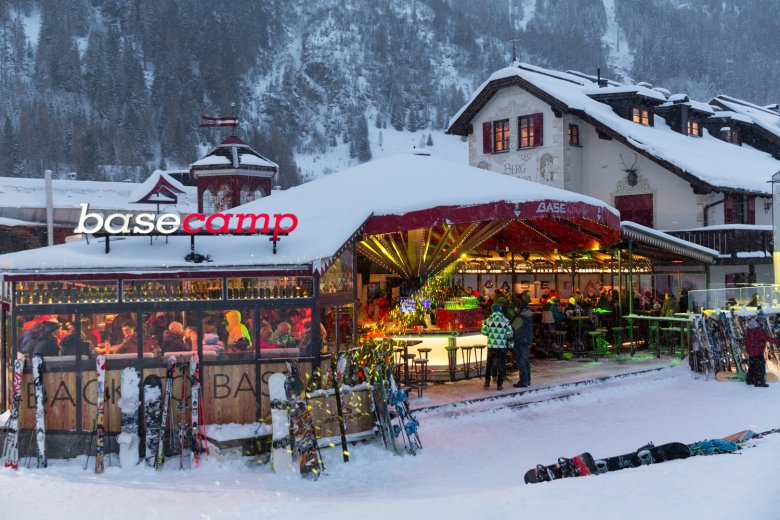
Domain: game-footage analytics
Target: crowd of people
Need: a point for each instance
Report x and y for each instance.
(223, 332)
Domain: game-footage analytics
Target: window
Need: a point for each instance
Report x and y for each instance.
(224, 198)
(739, 209)
(731, 135)
(636, 208)
(209, 202)
(694, 127)
(501, 136)
(245, 195)
(640, 115)
(529, 130)
(259, 194)
(574, 135)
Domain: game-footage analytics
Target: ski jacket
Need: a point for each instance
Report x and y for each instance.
(498, 331)
(755, 341)
(523, 323)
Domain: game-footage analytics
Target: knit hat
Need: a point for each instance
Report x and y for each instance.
(752, 324)
(496, 308)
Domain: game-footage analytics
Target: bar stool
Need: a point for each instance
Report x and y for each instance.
(421, 374)
(617, 338)
(423, 352)
(466, 353)
(478, 356)
(407, 358)
(398, 354)
(594, 336)
(452, 360)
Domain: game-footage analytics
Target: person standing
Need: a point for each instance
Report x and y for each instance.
(755, 344)
(522, 327)
(499, 333)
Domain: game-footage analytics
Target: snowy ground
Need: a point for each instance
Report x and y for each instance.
(472, 467)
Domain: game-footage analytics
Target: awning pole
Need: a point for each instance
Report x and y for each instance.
(631, 295)
(776, 226)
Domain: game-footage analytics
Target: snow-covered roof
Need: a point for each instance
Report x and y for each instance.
(330, 209)
(666, 241)
(16, 192)
(764, 117)
(707, 159)
(625, 89)
(159, 187)
(234, 153)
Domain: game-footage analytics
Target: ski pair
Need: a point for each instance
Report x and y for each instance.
(157, 409)
(390, 402)
(11, 446)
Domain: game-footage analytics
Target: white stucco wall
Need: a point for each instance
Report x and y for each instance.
(596, 168)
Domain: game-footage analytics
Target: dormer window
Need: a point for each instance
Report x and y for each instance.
(640, 115)
(694, 127)
(731, 135)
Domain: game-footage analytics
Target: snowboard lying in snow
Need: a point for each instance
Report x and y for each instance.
(578, 466)
(726, 376)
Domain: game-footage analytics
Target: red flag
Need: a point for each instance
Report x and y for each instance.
(220, 121)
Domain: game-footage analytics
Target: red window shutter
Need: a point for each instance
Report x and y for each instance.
(751, 210)
(487, 137)
(728, 209)
(538, 129)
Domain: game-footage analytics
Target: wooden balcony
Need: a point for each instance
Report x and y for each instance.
(737, 243)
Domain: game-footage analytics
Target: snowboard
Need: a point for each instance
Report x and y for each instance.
(338, 368)
(166, 410)
(128, 405)
(281, 446)
(152, 403)
(731, 377)
(100, 428)
(645, 455)
(11, 446)
(302, 426)
(40, 414)
(578, 466)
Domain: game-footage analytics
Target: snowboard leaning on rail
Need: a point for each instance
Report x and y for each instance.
(128, 405)
(281, 438)
(159, 461)
(302, 425)
(152, 404)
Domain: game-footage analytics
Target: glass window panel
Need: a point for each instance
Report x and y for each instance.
(338, 278)
(259, 288)
(245, 195)
(224, 198)
(209, 201)
(51, 336)
(48, 292)
(118, 334)
(285, 332)
(169, 331)
(259, 194)
(171, 290)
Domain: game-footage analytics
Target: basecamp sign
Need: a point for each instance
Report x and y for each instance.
(193, 223)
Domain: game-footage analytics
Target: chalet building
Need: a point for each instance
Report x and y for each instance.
(696, 170)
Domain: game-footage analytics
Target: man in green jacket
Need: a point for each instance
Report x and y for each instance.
(499, 337)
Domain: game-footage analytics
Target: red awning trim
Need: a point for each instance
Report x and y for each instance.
(503, 210)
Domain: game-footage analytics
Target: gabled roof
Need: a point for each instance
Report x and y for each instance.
(159, 188)
(763, 117)
(706, 162)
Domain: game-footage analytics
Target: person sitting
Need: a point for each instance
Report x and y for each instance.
(282, 335)
(71, 344)
(128, 345)
(238, 335)
(190, 337)
(173, 338)
(266, 337)
(46, 343)
(212, 343)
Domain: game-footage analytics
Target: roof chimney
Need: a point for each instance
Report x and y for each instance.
(601, 82)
